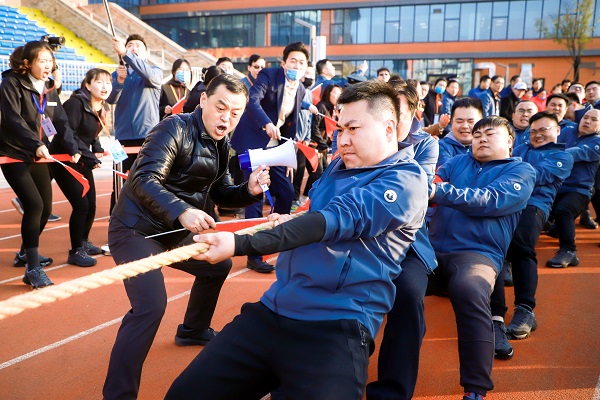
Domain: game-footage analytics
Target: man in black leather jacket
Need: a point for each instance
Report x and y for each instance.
(182, 164)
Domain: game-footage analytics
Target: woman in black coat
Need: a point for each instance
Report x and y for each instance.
(27, 98)
(176, 89)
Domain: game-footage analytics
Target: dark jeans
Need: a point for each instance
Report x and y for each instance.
(567, 207)
(398, 362)
(261, 350)
(313, 176)
(523, 257)
(469, 278)
(84, 208)
(148, 297)
(31, 184)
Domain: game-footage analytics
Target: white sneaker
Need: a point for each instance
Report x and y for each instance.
(105, 250)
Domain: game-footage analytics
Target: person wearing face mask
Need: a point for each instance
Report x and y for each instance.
(31, 114)
(177, 88)
(276, 99)
(433, 102)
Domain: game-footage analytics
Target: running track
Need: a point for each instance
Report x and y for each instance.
(60, 351)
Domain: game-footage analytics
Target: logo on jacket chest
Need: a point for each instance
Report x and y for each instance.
(390, 196)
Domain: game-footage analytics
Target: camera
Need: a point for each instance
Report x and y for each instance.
(55, 42)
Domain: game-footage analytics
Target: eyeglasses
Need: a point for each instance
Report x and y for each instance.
(257, 66)
(576, 88)
(525, 111)
(533, 132)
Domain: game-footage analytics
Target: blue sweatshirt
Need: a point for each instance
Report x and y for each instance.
(479, 205)
(552, 165)
(450, 148)
(372, 215)
(137, 99)
(586, 156)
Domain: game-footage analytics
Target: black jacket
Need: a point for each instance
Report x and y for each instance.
(168, 98)
(318, 130)
(87, 126)
(194, 97)
(178, 167)
(20, 128)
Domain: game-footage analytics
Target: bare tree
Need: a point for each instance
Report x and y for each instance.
(572, 28)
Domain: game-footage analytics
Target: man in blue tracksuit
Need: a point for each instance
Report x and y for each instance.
(136, 93)
(311, 333)
(552, 165)
(490, 99)
(479, 205)
(520, 121)
(398, 361)
(465, 113)
(576, 190)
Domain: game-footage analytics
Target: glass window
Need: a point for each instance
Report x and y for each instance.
(516, 21)
(597, 19)
(467, 21)
(421, 23)
(500, 9)
(362, 31)
(483, 21)
(550, 13)
(407, 15)
(436, 21)
(451, 30)
(377, 28)
(453, 11)
(392, 31)
(532, 14)
(499, 26)
(392, 14)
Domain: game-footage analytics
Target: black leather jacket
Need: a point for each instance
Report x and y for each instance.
(178, 167)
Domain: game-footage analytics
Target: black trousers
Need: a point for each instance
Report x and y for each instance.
(398, 363)
(313, 176)
(567, 206)
(148, 297)
(523, 257)
(469, 278)
(84, 208)
(261, 350)
(31, 184)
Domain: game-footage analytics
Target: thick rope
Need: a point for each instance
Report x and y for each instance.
(49, 294)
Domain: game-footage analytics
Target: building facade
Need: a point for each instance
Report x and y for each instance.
(416, 39)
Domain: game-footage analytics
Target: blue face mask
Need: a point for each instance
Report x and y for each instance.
(439, 90)
(183, 76)
(294, 74)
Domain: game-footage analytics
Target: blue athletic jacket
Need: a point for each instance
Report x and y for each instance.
(488, 103)
(479, 205)
(586, 157)
(450, 148)
(137, 99)
(521, 136)
(426, 154)
(552, 165)
(372, 215)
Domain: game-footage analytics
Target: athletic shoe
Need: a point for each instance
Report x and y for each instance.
(502, 348)
(473, 396)
(586, 220)
(18, 205)
(37, 278)
(80, 258)
(563, 259)
(193, 337)
(90, 248)
(105, 250)
(260, 266)
(508, 276)
(21, 260)
(54, 218)
(552, 232)
(522, 323)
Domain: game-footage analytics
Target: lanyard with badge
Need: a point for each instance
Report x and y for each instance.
(46, 123)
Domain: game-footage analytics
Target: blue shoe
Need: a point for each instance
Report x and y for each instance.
(193, 337)
(473, 396)
(54, 218)
(502, 348)
(21, 260)
(260, 266)
(523, 323)
(91, 248)
(37, 278)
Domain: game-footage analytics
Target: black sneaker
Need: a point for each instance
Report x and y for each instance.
(522, 323)
(54, 218)
(502, 348)
(90, 248)
(260, 266)
(18, 205)
(193, 337)
(81, 258)
(552, 232)
(508, 277)
(586, 220)
(563, 259)
(21, 260)
(37, 278)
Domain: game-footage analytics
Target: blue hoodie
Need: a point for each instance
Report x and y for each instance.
(450, 148)
(479, 205)
(552, 165)
(586, 156)
(137, 99)
(372, 215)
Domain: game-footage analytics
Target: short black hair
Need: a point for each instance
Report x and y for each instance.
(378, 94)
(496, 77)
(484, 78)
(558, 96)
(296, 46)
(514, 78)
(572, 98)
(494, 122)
(135, 36)
(467, 102)
(565, 81)
(543, 114)
(231, 83)
(222, 60)
(254, 58)
(409, 92)
(591, 83)
(383, 69)
(320, 65)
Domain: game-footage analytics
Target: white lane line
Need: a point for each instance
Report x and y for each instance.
(597, 391)
(97, 328)
(61, 226)
(54, 202)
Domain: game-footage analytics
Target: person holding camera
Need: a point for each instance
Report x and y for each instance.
(31, 113)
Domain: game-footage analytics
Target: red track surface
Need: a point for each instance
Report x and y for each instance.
(61, 350)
